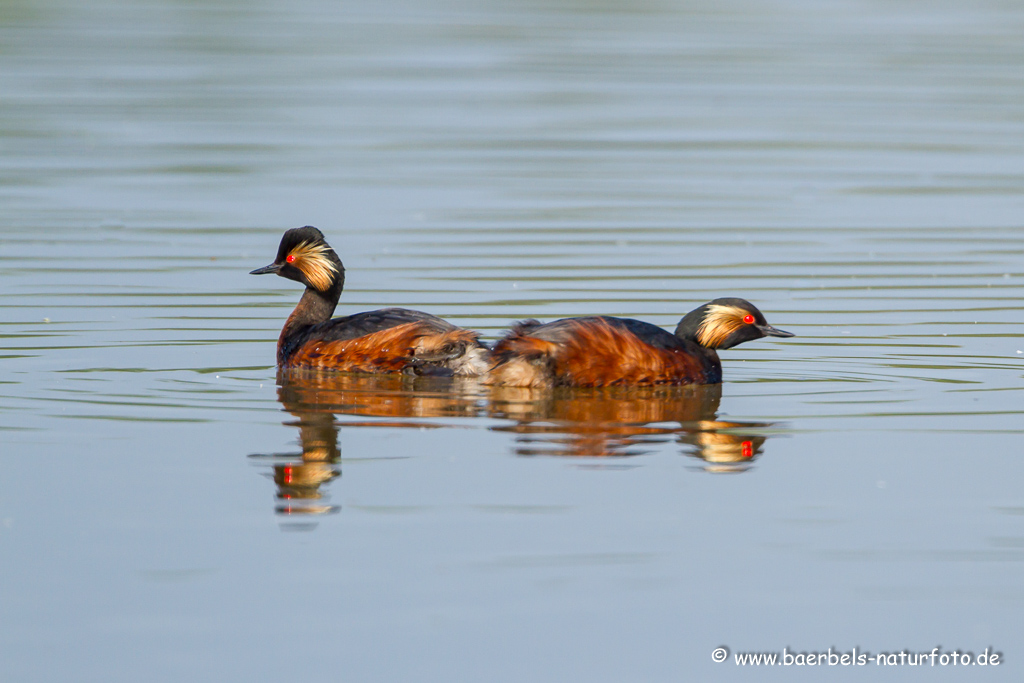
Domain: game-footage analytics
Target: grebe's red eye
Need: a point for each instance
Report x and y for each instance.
(747, 449)
(748, 319)
(290, 258)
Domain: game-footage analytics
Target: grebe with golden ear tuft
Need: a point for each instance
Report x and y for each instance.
(604, 351)
(382, 341)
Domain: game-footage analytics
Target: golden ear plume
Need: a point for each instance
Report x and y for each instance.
(719, 322)
(311, 258)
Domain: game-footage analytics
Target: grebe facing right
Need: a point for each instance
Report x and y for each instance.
(387, 340)
(603, 351)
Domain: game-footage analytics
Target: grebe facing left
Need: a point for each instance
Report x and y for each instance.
(387, 340)
(603, 351)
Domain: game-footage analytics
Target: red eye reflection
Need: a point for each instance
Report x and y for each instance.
(748, 319)
(290, 258)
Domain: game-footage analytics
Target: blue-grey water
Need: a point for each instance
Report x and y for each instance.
(171, 509)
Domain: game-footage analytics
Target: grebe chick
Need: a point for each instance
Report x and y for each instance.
(603, 351)
(387, 340)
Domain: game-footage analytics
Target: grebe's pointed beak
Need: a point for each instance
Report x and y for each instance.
(272, 268)
(769, 331)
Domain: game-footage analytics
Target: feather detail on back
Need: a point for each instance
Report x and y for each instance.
(394, 349)
(589, 352)
(457, 349)
(520, 360)
(389, 350)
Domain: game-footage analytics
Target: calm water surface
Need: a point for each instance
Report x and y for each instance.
(173, 509)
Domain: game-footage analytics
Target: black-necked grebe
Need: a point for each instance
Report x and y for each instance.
(603, 351)
(387, 340)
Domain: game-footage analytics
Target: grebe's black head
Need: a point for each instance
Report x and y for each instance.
(305, 256)
(724, 323)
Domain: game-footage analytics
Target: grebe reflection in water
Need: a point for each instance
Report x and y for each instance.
(299, 477)
(607, 422)
(623, 421)
(315, 398)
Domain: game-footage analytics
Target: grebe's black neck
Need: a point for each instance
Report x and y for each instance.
(304, 256)
(314, 307)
